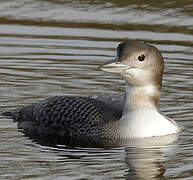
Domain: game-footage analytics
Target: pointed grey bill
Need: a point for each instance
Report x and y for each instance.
(113, 66)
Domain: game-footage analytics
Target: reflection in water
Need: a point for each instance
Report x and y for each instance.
(145, 158)
(145, 164)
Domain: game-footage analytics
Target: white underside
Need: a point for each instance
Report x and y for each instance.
(145, 123)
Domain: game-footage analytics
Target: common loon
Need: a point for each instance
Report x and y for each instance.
(100, 117)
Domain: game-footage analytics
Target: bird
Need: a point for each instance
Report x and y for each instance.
(107, 117)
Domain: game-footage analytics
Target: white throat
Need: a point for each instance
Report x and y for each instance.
(138, 97)
(140, 114)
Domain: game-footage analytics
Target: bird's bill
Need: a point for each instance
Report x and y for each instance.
(112, 66)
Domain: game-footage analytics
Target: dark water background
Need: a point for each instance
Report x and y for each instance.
(53, 47)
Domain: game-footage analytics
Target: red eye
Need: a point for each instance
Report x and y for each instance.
(141, 57)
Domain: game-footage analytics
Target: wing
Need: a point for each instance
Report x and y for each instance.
(69, 116)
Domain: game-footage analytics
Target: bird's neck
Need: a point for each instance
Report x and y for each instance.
(140, 97)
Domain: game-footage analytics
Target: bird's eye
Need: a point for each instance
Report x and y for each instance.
(141, 57)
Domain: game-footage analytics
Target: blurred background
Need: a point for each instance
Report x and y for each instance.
(53, 47)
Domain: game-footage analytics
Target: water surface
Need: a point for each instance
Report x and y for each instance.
(53, 47)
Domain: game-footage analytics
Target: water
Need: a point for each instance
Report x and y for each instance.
(53, 47)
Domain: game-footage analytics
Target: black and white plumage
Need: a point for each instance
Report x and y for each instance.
(66, 118)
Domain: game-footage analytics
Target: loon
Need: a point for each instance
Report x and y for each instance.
(100, 117)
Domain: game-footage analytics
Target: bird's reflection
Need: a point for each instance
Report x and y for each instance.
(145, 157)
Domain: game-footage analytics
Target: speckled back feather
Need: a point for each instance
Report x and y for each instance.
(68, 116)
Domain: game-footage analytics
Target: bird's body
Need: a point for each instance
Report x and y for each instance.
(69, 116)
(134, 115)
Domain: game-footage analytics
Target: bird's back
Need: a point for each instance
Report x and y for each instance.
(69, 116)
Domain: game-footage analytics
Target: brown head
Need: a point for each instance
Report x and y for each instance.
(140, 64)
